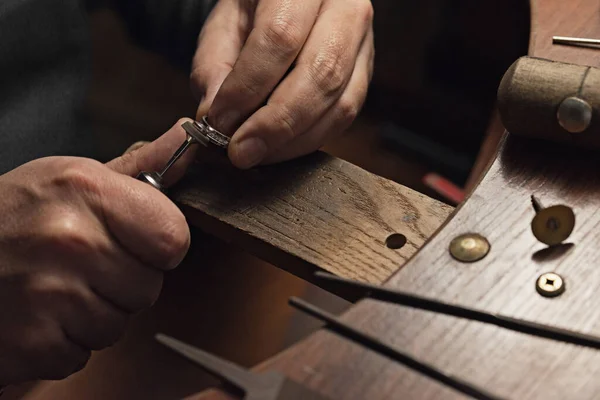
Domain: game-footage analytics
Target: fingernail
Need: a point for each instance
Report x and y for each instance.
(249, 152)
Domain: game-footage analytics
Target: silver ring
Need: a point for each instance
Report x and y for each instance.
(213, 135)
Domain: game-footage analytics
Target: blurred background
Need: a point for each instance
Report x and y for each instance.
(430, 110)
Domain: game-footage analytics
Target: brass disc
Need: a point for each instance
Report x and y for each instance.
(469, 247)
(553, 225)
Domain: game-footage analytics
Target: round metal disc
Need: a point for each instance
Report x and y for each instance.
(574, 114)
(469, 247)
(550, 285)
(553, 225)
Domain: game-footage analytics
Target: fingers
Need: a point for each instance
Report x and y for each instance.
(154, 156)
(280, 30)
(86, 319)
(339, 117)
(83, 245)
(219, 45)
(323, 70)
(47, 353)
(121, 279)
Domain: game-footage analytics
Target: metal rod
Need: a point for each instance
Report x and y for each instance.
(182, 149)
(514, 324)
(228, 371)
(572, 41)
(339, 327)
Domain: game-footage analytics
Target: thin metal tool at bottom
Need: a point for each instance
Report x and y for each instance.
(266, 386)
(336, 325)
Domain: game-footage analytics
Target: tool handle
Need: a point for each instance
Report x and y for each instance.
(551, 100)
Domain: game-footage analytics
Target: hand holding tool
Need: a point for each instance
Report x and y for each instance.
(197, 132)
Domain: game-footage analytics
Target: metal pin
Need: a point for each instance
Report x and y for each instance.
(573, 41)
(552, 225)
(201, 133)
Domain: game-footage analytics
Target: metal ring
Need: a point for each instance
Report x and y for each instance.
(213, 135)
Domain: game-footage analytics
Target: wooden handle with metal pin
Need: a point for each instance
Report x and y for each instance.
(551, 100)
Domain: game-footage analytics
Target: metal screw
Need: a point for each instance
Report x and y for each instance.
(469, 247)
(550, 285)
(552, 225)
(574, 114)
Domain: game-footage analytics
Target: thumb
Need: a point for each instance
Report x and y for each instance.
(154, 156)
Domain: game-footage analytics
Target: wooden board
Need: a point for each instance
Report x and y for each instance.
(509, 364)
(314, 213)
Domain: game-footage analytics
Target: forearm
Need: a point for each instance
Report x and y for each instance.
(170, 27)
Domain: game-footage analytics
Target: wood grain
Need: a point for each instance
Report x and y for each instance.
(314, 213)
(509, 364)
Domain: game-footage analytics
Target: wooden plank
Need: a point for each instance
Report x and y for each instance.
(314, 213)
(510, 364)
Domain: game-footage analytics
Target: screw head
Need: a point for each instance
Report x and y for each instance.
(470, 247)
(574, 114)
(553, 225)
(550, 285)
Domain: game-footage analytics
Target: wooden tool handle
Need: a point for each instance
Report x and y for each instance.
(551, 100)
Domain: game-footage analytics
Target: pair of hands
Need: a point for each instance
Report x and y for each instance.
(84, 245)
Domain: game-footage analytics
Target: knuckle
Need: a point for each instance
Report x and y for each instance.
(287, 124)
(79, 175)
(283, 35)
(348, 110)
(327, 73)
(51, 287)
(66, 233)
(366, 11)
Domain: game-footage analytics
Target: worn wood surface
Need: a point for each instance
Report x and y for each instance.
(510, 364)
(314, 213)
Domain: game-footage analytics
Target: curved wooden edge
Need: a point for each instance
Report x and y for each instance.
(315, 213)
(510, 364)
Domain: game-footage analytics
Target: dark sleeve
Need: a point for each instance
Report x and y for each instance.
(170, 27)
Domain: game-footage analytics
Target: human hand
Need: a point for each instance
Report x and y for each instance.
(83, 246)
(282, 76)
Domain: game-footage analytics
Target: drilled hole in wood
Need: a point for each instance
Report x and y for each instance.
(395, 241)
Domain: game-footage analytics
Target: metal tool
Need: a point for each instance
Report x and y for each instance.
(552, 225)
(336, 325)
(197, 132)
(266, 386)
(423, 303)
(573, 41)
